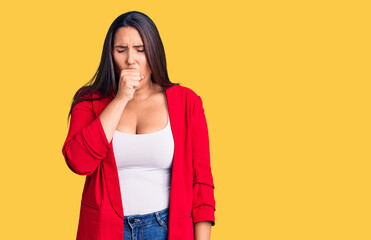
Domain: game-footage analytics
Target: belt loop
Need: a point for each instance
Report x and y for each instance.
(157, 216)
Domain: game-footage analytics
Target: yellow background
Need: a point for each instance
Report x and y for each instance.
(286, 92)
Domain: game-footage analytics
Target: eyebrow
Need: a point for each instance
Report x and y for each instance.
(120, 46)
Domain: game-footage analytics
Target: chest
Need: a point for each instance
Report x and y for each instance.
(144, 117)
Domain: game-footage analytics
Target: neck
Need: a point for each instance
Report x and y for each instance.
(144, 91)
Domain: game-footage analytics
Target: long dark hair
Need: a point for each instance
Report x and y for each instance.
(106, 80)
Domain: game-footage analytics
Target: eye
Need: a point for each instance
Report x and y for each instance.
(124, 51)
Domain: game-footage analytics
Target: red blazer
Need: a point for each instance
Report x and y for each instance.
(88, 152)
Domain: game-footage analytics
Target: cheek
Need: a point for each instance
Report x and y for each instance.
(118, 61)
(116, 57)
(145, 64)
(117, 64)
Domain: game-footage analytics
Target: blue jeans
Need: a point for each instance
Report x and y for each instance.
(150, 226)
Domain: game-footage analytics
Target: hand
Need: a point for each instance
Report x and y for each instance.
(129, 80)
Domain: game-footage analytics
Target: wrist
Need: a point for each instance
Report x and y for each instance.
(121, 100)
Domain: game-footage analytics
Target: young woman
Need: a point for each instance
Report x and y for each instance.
(142, 143)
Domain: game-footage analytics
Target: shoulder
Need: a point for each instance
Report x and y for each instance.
(190, 98)
(187, 93)
(87, 100)
(87, 94)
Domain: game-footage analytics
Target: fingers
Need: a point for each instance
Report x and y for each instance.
(131, 72)
(133, 84)
(129, 80)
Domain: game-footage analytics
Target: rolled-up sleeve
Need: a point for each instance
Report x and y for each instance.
(203, 205)
(86, 144)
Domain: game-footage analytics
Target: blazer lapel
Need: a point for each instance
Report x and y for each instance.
(174, 106)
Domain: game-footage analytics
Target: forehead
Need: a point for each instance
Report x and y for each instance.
(127, 35)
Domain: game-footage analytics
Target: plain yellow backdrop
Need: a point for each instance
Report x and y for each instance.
(286, 92)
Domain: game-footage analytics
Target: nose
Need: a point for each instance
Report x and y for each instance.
(130, 57)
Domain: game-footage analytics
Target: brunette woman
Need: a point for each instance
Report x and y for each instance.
(142, 142)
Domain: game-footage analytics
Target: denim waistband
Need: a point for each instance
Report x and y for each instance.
(147, 218)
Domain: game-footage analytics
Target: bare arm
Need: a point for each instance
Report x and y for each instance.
(111, 115)
(202, 230)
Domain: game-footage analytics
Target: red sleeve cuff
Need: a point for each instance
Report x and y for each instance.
(204, 213)
(103, 134)
(96, 140)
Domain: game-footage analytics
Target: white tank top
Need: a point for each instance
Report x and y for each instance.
(144, 163)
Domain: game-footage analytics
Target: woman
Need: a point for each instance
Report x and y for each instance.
(142, 143)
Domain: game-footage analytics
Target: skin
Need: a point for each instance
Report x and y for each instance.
(139, 106)
(130, 60)
(202, 230)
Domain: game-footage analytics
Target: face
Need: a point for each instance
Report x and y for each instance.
(128, 52)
